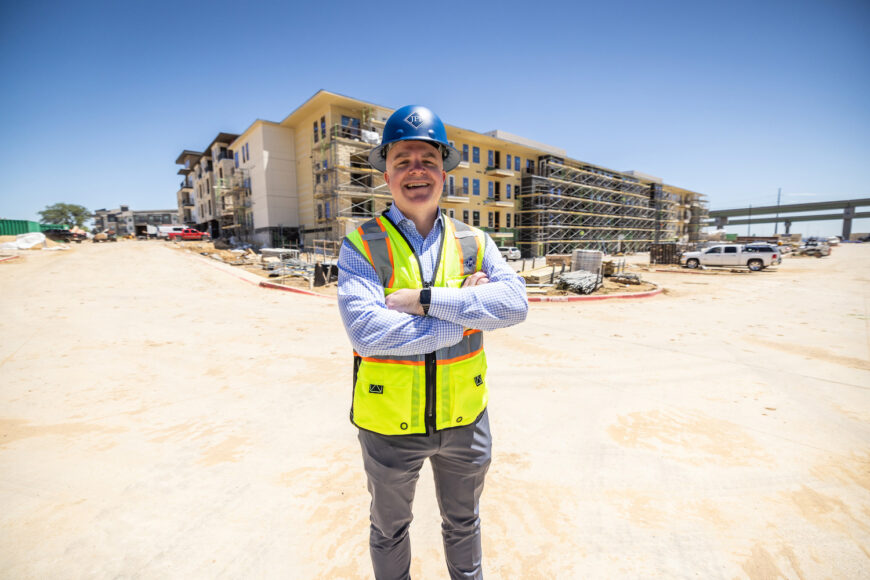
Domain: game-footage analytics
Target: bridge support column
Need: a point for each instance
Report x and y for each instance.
(787, 227)
(721, 222)
(848, 213)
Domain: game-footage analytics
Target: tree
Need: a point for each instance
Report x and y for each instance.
(65, 213)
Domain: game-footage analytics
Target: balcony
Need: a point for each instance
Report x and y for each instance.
(463, 164)
(185, 184)
(457, 195)
(498, 202)
(499, 232)
(499, 172)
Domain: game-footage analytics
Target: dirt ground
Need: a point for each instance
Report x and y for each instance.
(161, 416)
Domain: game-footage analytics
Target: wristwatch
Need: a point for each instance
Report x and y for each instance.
(425, 299)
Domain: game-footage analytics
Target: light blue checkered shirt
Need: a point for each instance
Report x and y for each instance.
(373, 329)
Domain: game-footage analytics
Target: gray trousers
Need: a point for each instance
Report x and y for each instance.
(460, 458)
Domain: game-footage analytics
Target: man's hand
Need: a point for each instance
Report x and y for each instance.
(405, 300)
(476, 279)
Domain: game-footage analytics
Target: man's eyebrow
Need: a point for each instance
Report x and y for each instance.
(408, 154)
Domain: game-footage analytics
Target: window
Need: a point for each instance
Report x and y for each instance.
(326, 210)
(489, 158)
(475, 154)
(325, 175)
(319, 207)
(450, 212)
(730, 250)
(491, 220)
(323, 133)
(517, 163)
(451, 190)
(475, 220)
(476, 186)
(247, 151)
(316, 136)
(507, 220)
(236, 157)
(350, 127)
(464, 186)
(508, 162)
(465, 216)
(490, 192)
(465, 153)
(716, 250)
(507, 191)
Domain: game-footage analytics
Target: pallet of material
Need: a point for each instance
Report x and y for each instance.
(544, 275)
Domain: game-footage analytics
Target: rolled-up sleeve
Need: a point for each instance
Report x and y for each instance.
(371, 327)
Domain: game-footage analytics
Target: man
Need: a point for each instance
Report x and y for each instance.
(415, 290)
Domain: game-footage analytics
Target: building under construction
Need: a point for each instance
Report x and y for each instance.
(306, 182)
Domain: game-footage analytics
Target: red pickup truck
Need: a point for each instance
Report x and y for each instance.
(189, 234)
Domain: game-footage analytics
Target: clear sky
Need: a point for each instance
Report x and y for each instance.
(731, 99)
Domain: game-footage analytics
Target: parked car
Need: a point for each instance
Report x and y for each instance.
(188, 234)
(816, 248)
(65, 236)
(766, 249)
(510, 253)
(729, 255)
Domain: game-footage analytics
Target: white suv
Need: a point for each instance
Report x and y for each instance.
(510, 253)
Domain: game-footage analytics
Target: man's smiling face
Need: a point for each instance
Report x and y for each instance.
(415, 174)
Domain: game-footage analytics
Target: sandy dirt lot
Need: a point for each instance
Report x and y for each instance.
(163, 417)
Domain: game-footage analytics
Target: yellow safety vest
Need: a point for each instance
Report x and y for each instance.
(403, 395)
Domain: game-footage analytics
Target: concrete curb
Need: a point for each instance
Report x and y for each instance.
(273, 286)
(602, 297)
(7, 258)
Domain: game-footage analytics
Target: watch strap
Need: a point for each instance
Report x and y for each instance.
(425, 299)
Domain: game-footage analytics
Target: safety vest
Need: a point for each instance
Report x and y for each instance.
(403, 395)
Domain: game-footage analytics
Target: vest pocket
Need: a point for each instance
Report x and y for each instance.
(389, 397)
(462, 392)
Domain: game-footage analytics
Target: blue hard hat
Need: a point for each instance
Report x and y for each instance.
(414, 123)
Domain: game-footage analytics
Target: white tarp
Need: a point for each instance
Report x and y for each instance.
(25, 241)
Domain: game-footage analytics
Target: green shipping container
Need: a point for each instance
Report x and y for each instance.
(16, 227)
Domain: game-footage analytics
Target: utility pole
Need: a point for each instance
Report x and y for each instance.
(776, 223)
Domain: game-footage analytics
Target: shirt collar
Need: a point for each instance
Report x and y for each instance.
(397, 217)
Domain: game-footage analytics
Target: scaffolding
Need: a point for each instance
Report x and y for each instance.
(233, 197)
(347, 189)
(566, 205)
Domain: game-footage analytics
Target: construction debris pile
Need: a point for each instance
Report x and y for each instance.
(580, 282)
(582, 272)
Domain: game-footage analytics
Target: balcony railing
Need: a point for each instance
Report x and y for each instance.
(500, 232)
(499, 172)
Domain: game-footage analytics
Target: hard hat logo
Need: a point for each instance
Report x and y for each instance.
(414, 123)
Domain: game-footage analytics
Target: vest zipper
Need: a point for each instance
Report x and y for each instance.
(431, 362)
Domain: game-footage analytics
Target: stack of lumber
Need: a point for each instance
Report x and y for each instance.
(545, 275)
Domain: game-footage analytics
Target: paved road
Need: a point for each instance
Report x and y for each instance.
(163, 418)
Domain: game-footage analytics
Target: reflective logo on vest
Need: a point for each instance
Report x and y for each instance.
(376, 389)
(414, 120)
(478, 380)
(468, 266)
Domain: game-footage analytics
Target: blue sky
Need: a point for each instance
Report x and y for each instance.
(731, 99)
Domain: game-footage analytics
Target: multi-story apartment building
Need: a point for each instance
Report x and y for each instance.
(200, 200)
(184, 197)
(307, 180)
(125, 221)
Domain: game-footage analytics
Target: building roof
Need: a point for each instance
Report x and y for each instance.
(187, 153)
(221, 138)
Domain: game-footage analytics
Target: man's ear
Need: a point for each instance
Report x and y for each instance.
(387, 177)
